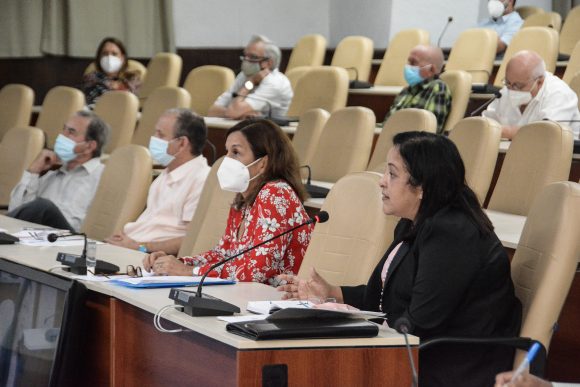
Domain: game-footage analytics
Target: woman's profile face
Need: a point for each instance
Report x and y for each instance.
(399, 197)
(111, 48)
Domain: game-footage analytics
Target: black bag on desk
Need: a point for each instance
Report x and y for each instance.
(304, 324)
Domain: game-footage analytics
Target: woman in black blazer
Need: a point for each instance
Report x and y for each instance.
(446, 271)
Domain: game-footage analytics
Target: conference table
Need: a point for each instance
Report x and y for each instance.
(125, 349)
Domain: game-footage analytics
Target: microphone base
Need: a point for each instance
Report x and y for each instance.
(205, 305)
(279, 121)
(315, 191)
(78, 264)
(359, 85)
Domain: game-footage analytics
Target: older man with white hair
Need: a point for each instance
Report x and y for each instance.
(260, 89)
(531, 93)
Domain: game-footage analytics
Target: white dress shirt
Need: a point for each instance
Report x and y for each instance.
(71, 191)
(171, 203)
(555, 101)
(506, 26)
(274, 90)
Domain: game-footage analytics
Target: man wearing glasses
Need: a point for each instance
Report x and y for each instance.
(531, 93)
(59, 186)
(260, 89)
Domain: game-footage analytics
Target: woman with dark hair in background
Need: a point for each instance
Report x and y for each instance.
(446, 271)
(111, 71)
(261, 166)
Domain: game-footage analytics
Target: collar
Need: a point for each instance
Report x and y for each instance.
(89, 166)
(185, 169)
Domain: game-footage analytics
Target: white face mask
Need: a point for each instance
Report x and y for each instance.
(496, 8)
(519, 98)
(111, 64)
(234, 176)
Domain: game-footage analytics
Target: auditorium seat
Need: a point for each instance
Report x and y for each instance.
(307, 135)
(16, 102)
(391, 71)
(573, 66)
(544, 19)
(308, 51)
(459, 83)
(205, 84)
(570, 34)
(121, 194)
(164, 69)
(474, 52)
(296, 73)
(404, 120)
(60, 103)
(526, 11)
(161, 99)
(477, 139)
(540, 154)
(119, 109)
(355, 54)
(133, 66)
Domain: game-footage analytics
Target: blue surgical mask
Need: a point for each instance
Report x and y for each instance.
(413, 75)
(64, 148)
(158, 149)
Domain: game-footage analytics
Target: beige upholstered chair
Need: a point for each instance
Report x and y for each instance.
(307, 135)
(545, 261)
(542, 40)
(164, 69)
(205, 84)
(345, 144)
(323, 87)
(296, 73)
(122, 192)
(355, 54)
(308, 51)
(58, 106)
(528, 10)
(570, 34)
(210, 218)
(477, 139)
(119, 109)
(540, 154)
(133, 66)
(404, 120)
(474, 52)
(391, 70)
(544, 19)
(19, 147)
(459, 83)
(161, 99)
(346, 249)
(15, 107)
(573, 66)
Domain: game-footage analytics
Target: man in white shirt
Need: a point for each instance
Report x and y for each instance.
(530, 93)
(260, 89)
(504, 20)
(177, 144)
(59, 186)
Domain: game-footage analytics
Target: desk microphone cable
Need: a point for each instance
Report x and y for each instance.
(157, 319)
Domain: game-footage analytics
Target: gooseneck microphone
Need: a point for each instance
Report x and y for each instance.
(355, 83)
(200, 305)
(449, 21)
(315, 192)
(78, 264)
(403, 326)
(496, 95)
(280, 121)
(53, 237)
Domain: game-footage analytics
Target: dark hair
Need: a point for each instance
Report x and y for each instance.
(267, 139)
(119, 44)
(192, 126)
(434, 164)
(97, 130)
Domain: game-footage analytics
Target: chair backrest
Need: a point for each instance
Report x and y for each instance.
(295, 73)
(391, 71)
(544, 19)
(346, 249)
(323, 87)
(575, 86)
(540, 154)
(570, 33)
(474, 52)
(159, 101)
(573, 66)
(542, 40)
(355, 54)
(122, 192)
(19, 147)
(545, 261)
(307, 135)
(119, 109)
(16, 102)
(164, 69)
(403, 120)
(60, 103)
(459, 83)
(308, 51)
(205, 84)
(477, 139)
(133, 66)
(345, 144)
(526, 11)
(209, 221)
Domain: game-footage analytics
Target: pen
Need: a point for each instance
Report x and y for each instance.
(524, 364)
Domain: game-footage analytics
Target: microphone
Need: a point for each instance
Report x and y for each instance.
(78, 264)
(280, 121)
(356, 84)
(200, 305)
(314, 191)
(449, 20)
(403, 326)
(496, 95)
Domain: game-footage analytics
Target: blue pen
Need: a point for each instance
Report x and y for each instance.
(524, 364)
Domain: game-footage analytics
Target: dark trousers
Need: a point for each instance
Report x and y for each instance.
(41, 211)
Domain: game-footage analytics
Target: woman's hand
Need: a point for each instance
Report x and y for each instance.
(315, 287)
(162, 264)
